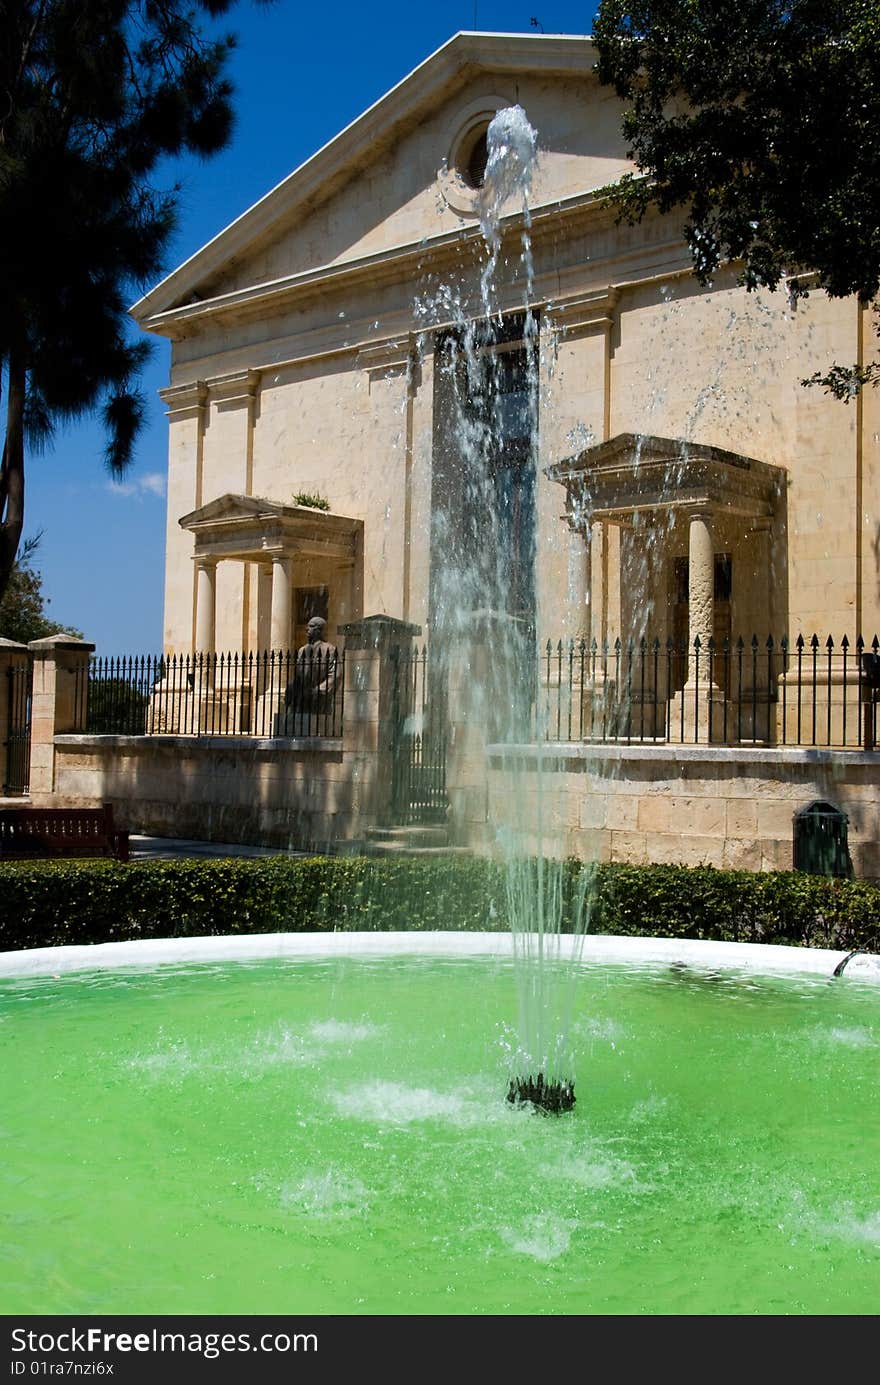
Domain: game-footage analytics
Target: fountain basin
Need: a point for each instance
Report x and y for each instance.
(319, 1125)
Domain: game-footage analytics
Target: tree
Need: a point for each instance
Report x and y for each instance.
(22, 606)
(94, 94)
(759, 118)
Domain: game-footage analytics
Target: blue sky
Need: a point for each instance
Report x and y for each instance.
(300, 78)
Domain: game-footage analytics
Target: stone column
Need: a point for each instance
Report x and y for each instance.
(701, 592)
(763, 577)
(597, 594)
(282, 583)
(206, 605)
(61, 667)
(697, 712)
(577, 616)
(186, 412)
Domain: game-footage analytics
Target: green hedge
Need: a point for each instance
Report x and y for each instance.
(52, 902)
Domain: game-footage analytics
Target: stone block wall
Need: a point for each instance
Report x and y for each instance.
(224, 788)
(684, 805)
(312, 793)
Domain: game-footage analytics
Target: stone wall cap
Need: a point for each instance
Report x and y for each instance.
(375, 626)
(675, 753)
(91, 740)
(50, 642)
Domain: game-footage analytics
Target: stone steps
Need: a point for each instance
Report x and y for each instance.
(413, 840)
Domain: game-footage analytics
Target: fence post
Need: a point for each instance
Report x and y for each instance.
(61, 664)
(368, 733)
(13, 657)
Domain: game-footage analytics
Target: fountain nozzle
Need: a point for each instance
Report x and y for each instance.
(552, 1097)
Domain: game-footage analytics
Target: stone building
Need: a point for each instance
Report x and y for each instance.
(672, 418)
(687, 491)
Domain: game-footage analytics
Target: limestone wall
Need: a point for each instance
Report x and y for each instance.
(303, 362)
(265, 792)
(691, 806)
(732, 809)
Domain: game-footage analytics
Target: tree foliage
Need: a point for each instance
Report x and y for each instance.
(23, 605)
(759, 118)
(94, 95)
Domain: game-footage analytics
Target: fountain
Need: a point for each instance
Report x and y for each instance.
(316, 1124)
(484, 586)
(312, 1124)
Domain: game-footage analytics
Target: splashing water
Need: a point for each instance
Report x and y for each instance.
(512, 152)
(484, 587)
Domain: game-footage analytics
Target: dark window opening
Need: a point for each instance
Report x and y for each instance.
(308, 602)
(485, 464)
(479, 158)
(722, 585)
(473, 157)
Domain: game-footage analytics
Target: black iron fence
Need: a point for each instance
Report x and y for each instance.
(804, 691)
(17, 747)
(419, 716)
(800, 692)
(270, 693)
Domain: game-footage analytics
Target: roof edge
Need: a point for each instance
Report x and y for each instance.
(401, 100)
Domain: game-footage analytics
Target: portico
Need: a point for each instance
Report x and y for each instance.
(671, 523)
(293, 548)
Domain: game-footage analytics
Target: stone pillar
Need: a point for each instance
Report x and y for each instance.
(229, 466)
(577, 616)
(14, 659)
(61, 668)
(701, 592)
(282, 583)
(611, 580)
(697, 712)
(763, 579)
(186, 413)
(369, 731)
(598, 618)
(206, 605)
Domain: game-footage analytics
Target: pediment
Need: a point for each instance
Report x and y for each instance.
(229, 507)
(254, 529)
(635, 472)
(380, 186)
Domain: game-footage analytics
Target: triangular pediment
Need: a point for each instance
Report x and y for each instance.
(637, 449)
(377, 186)
(230, 507)
(253, 529)
(634, 472)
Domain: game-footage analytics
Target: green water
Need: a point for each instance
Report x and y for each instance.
(331, 1137)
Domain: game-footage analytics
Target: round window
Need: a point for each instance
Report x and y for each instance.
(472, 157)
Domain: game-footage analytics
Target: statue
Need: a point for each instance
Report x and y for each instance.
(309, 695)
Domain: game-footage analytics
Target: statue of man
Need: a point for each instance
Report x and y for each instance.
(310, 691)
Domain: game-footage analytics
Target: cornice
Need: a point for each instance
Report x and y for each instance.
(184, 401)
(400, 262)
(632, 473)
(233, 390)
(585, 313)
(387, 357)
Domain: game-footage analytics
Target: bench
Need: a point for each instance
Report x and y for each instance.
(59, 832)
